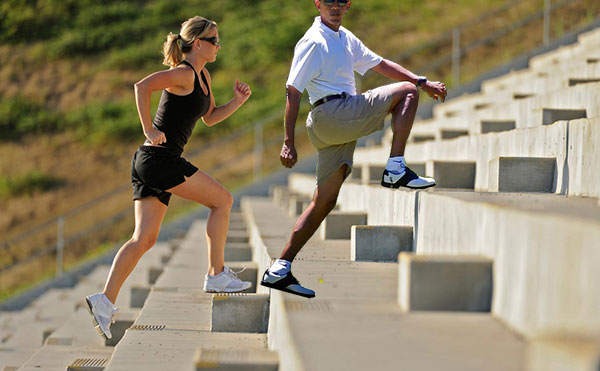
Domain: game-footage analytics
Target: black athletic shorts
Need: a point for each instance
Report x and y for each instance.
(156, 169)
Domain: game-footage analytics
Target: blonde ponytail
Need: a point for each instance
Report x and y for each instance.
(177, 45)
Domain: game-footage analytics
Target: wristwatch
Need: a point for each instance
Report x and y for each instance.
(421, 80)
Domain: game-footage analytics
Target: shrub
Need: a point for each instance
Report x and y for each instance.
(27, 184)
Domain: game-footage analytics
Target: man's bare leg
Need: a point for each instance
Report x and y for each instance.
(403, 109)
(323, 202)
(279, 276)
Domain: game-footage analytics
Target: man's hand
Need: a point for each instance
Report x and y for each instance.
(288, 155)
(435, 90)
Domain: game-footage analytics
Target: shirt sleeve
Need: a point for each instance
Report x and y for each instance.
(364, 58)
(306, 64)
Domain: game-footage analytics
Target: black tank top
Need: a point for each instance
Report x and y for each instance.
(176, 115)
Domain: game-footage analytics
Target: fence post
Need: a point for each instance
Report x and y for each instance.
(456, 57)
(258, 150)
(547, 8)
(60, 245)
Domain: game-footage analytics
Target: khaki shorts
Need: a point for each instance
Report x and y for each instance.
(334, 127)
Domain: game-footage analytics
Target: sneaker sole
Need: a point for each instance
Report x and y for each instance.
(94, 321)
(271, 286)
(227, 291)
(389, 185)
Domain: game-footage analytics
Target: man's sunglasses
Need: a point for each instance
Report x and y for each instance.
(213, 40)
(340, 2)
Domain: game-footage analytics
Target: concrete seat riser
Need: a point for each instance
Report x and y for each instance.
(445, 283)
(338, 224)
(240, 313)
(380, 243)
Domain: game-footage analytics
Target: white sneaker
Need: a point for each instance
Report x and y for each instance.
(103, 313)
(226, 281)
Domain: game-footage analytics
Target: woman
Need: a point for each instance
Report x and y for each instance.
(158, 170)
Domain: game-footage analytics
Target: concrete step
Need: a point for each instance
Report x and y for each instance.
(452, 174)
(380, 242)
(88, 364)
(58, 357)
(237, 237)
(315, 335)
(227, 359)
(297, 204)
(338, 224)
(445, 282)
(12, 358)
(174, 349)
(495, 126)
(240, 313)
(523, 174)
(563, 353)
(499, 225)
(552, 115)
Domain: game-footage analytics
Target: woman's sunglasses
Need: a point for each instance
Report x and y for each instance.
(213, 40)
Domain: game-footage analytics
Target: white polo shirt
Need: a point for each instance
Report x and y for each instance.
(325, 61)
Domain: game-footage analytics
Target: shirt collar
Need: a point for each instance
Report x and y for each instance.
(323, 28)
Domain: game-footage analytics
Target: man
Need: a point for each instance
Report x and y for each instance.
(324, 63)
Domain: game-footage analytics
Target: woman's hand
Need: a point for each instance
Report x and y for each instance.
(155, 136)
(435, 90)
(241, 91)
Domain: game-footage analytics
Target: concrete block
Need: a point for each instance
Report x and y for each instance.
(238, 252)
(138, 296)
(372, 173)
(563, 353)
(550, 115)
(380, 242)
(452, 133)
(280, 195)
(237, 236)
(250, 272)
(240, 313)
(495, 126)
(338, 224)
(522, 174)
(452, 174)
(419, 138)
(46, 333)
(576, 81)
(88, 364)
(153, 274)
(356, 173)
(236, 359)
(165, 258)
(296, 204)
(125, 320)
(445, 282)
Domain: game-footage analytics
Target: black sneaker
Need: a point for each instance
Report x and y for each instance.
(287, 283)
(407, 179)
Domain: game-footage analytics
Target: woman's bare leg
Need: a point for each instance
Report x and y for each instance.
(149, 213)
(203, 189)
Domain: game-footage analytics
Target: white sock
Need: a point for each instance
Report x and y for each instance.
(395, 165)
(281, 267)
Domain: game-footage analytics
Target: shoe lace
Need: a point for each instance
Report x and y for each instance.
(233, 274)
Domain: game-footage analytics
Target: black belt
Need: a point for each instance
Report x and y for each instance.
(327, 99)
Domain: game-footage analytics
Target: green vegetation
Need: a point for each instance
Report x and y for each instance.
(258, 39)
(26, 184)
